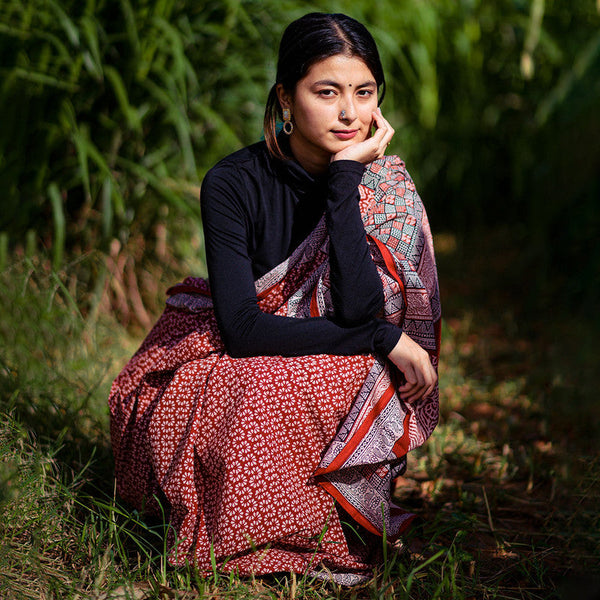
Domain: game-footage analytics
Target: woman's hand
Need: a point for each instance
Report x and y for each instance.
(373, 147)
(418, 371)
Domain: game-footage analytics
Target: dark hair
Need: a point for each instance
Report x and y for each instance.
(306, 41)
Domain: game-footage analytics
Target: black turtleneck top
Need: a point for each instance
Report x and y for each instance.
(255, 211)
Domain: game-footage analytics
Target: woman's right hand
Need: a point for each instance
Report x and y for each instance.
(373, 147)
(416, 366)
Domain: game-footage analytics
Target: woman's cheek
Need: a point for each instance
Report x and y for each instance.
(363, 136)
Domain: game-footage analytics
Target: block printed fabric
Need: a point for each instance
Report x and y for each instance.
(261, 461)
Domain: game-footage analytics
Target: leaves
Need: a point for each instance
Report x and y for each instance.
(116, 94)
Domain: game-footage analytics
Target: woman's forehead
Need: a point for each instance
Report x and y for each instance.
(341, 69)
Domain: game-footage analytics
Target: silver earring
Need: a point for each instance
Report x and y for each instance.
(288, 126)
(343, 114)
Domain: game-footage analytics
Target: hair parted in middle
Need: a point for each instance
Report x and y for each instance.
(308, 40)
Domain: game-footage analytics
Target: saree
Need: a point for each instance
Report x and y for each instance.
(275, 464)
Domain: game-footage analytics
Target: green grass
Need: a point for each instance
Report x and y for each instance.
(507, 488)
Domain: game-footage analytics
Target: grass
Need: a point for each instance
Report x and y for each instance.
(507, 488)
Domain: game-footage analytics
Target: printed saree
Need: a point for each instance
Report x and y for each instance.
(273, 464)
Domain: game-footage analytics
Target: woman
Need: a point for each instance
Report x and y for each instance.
(271, 413)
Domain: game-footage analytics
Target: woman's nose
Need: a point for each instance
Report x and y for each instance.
(347, 112)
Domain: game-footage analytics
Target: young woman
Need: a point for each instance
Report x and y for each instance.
(270, 413)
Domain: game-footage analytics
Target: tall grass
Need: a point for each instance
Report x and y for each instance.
(112, 111)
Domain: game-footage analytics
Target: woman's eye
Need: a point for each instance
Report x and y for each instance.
(365, 93)
(326, 93)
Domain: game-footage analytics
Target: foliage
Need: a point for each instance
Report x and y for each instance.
(112, 111)
(497, 107)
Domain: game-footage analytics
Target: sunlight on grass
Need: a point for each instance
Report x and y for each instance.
(500, 515)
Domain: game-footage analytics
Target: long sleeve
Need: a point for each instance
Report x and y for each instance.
(228, 213)
(356, 288)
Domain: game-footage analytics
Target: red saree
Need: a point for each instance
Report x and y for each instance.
(253, 455)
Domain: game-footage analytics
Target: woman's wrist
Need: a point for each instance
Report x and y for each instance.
(386, 337)
(346, 165)
(344, 179)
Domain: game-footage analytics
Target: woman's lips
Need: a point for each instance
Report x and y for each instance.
(345, 134)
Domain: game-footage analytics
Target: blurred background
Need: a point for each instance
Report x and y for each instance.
(111, 112)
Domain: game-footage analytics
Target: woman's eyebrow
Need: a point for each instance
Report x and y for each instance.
(329, 82)
(332, 83)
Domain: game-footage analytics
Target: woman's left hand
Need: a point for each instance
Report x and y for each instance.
(373, 147)
(413, 361)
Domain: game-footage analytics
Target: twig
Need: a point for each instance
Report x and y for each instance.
(489, 512)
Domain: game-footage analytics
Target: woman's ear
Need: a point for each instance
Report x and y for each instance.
(285, 100)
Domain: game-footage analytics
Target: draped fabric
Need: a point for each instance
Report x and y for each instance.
(270, 463)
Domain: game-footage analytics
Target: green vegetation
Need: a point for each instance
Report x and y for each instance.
(110, 113)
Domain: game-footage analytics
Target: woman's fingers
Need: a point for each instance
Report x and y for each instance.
(416, 366)
(411, 392)
(431, 379)
(364, 152)
(373, 147)
(383, 134)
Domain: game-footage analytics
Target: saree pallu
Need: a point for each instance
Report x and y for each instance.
(261, 461)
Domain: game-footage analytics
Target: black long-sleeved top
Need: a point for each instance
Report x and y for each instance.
(256, 210)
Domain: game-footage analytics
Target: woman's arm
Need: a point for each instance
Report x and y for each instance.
(356, 288)
(248, 331)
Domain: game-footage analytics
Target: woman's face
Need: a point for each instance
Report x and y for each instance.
(335, 84)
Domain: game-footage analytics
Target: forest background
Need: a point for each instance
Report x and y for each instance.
(111, 111)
